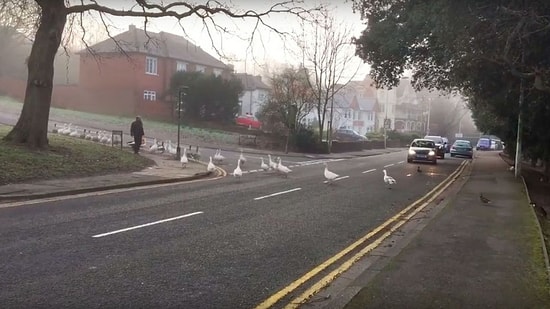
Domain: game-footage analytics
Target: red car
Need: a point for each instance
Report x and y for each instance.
(248, 121)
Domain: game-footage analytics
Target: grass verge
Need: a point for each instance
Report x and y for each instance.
(66, 157)
(13, 106)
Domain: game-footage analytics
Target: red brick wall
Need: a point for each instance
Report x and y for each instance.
(13, 87)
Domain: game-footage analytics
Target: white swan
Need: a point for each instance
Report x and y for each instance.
(242, 159)
(283, 169)
(218, 156)
(211, 167)
(154, 147)
(272, 165)
(237, 172)
(184, 159)
(388, 179)
(330, 176)
(264, 166)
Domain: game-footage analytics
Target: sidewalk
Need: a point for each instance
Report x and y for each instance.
(166, 170)
(470, 255)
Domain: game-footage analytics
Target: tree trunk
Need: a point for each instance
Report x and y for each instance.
(32, 127)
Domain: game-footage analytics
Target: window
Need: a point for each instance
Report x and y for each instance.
(217, 72)
(151, 65)
(200, 68)
(347, 114)
(149, 95)
(181, 66)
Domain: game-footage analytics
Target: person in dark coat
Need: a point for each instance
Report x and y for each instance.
(136, 130)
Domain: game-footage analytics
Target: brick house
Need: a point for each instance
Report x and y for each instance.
(131, 74)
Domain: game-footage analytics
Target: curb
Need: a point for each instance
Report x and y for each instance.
(539, 228)
(15, 198)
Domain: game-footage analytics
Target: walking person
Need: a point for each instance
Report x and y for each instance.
(136, 130)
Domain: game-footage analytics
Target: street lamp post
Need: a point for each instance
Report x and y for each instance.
(181, 94)
(429, 112)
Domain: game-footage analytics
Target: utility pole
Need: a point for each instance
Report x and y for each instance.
(429, 112)
(517, 163)
(181, 94)
(386, 120)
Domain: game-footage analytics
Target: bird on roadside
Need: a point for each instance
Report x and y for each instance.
(264, 166)
(483, 199)
(282, 169)
(388, 180)
(210, 167)
(184, 160)
(242, 159)
(218, 156)
(418, 169)
(237, 172)
(272, 165)
(330, 176)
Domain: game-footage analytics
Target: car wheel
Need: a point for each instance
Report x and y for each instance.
(409, 161)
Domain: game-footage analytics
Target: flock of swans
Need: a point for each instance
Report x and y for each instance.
(276, 166)
(167, 146)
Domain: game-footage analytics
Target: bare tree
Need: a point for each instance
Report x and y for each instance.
(290, 101)
(52, 18)
(328, 56)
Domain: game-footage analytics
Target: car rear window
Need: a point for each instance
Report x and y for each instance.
(462, 144)
(424, 144)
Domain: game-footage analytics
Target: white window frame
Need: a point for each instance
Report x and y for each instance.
(200, 68)
(151, 65)
(149, 95)
(181, 66)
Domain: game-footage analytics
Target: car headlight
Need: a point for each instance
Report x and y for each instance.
(412, 152)
(431, 153)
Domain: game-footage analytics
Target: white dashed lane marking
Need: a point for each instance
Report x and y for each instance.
(147, 224)
(276, 193)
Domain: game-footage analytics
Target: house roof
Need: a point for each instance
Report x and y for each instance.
(251, 82)
(156, 44)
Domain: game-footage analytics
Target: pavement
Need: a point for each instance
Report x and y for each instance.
(469, 254)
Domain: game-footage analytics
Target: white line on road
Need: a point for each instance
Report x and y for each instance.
(147, 224)
(389, 165)
(400, 162)
(275, 194)
(368, 171)
(336, 179)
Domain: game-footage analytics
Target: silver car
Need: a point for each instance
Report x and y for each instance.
(422, 150)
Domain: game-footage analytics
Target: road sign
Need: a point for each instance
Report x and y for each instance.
(459, 135)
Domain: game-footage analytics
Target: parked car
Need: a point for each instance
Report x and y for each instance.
(422, 150)
(248, 121)
(440, 145)
(462, 148)
(483, 144)
(348, 135)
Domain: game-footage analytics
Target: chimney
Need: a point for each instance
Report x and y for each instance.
(259, 77)
(132, 28)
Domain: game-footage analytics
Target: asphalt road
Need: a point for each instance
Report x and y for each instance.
(227, 243)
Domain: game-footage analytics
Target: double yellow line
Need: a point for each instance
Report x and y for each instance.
(398, 220)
